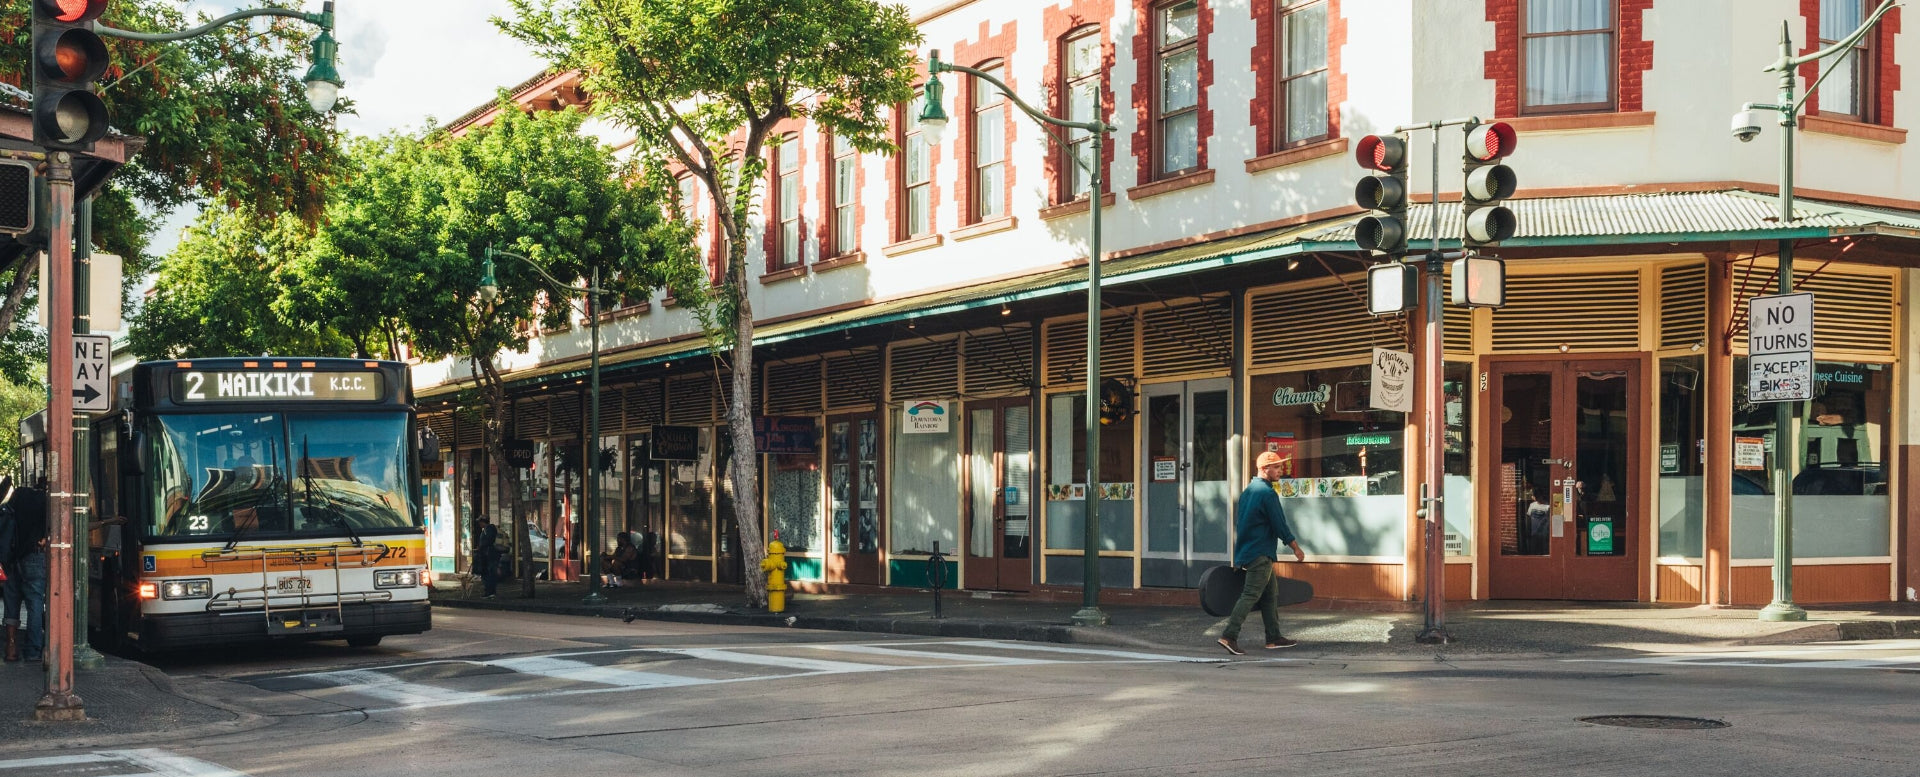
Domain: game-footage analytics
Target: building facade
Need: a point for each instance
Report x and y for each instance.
(923, 339)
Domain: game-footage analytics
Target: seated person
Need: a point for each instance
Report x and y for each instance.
(624, 562)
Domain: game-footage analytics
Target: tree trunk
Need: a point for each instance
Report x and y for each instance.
(746, 462)
(495, 396)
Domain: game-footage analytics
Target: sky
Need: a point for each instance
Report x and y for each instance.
(408, 64)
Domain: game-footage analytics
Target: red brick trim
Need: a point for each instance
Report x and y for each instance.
(1266, 74)
(1146, 82)
(1297, 154)
(897, 173)
(1071, 208)
(1886, 72)
(1633, 60)
(770, 198)
(824, 234)
(1853, 129)
(1174, 184)
(990, 48)
(1057, 22)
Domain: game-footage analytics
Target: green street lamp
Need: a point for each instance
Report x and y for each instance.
(1746, 125)
(490, 291)
(933, 118)
(323, 77)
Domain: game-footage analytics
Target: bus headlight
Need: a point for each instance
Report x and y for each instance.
(397, 578)
(186, 589)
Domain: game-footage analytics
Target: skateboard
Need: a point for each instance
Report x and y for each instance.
(1220, 587)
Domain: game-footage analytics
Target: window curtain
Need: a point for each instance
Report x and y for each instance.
(1569, 69)
(1304, 35)
(1841, 92)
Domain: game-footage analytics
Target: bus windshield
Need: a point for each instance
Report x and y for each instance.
(280, 473)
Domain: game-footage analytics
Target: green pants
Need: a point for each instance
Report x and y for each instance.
(1261, 591)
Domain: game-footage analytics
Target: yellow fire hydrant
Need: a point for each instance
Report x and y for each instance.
(775, 565)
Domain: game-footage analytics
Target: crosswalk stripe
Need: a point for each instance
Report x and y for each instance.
(809, 665)
(581, 671)
(1815, 656)
(970, 658)
(1126, 654)
(146, 762)
(387, 688)
(166, 764)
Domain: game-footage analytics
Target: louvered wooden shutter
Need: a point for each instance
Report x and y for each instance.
(1683, 306)
(925, 369)
(690, 400)
(470, 426)
(793, 387)
(1184, 338)
(1852, 310)
(1316, 324)
(1598, 311)
(644, 403)
(568, 415)
(1067, 349)
(441, 425)
(853, 380)
(530, 418)
(1458, 320)
(997, 362)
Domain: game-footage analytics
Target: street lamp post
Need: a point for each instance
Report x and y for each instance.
(934, 118)
(323, 76)
(590, 550)
(1746, 125)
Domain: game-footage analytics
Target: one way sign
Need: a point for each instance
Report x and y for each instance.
(92, 357)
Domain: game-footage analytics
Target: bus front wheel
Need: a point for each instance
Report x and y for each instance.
(364, 640)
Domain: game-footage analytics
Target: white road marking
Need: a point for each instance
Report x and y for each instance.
(968, 658)
(1127, 654)
(581, 671)
(387, 688)
(807, 665)
(149, 762)
(1815, 656)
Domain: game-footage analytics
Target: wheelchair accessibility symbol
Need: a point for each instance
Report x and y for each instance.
(146, 563)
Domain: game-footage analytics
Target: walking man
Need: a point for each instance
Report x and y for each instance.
(486, 555)
(1258, 523)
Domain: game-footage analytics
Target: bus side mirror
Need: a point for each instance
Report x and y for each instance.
(134, 455)
(429, 445)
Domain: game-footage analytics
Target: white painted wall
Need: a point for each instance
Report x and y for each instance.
(1405, 60)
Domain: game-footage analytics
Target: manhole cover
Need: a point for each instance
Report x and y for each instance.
(1655, 721)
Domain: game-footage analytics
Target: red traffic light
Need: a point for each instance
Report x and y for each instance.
(72, 11)
(1381, 152)
(1487, 142)
(75, 56)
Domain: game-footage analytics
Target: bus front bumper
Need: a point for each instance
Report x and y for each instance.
(169, 632)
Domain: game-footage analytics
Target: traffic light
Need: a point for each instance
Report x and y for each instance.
(67, 56)
(16, 196)
(1116, 402)
(1384, 192)
(1488, 182)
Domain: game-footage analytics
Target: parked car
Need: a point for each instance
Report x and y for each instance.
(540, 542)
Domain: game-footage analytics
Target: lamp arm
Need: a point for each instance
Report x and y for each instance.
(590, 289)
(1785, 63)
(938, 67)
(319, 20)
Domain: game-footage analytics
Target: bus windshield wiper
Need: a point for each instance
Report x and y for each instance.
(306, 477)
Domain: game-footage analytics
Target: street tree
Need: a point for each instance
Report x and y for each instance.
(702, 84)
(421, 213)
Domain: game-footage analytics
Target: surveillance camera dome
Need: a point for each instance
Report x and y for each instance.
(1746, 125)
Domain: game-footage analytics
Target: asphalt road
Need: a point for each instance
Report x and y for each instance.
(494, 693)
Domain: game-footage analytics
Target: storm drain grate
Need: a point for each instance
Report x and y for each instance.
(1656, 721)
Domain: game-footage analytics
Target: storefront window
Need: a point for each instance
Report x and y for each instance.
(1457, 390)
(1066, 473)
(690, 502)
(1838, 465)
(1344, 482)
(610, 466)
(1682, 458)
(926, 498)
(793, 501)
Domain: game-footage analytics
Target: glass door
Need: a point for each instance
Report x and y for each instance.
(1566, 496)
(1188, 511)
(853, 499)
(999, 483)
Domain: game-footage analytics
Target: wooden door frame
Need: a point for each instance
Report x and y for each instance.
(841, 575)
(996, 561)
(1486, 428)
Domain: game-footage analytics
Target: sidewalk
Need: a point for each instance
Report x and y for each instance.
(1344, 629)
(125, 701)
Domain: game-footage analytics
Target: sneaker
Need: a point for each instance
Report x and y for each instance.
(488, 596)
(1282, 642)
(1231, 648)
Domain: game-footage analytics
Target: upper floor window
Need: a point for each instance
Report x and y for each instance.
(846, 165)
(989, 147)
(1567, 56)
(1080, 58)
(1176, 28)
(1848, 92)
(1302, 114)
(916, 195)
(688, 195)
(786, 191)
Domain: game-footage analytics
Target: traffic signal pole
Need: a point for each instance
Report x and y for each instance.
(60, 702)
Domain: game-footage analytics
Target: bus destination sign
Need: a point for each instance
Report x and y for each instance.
(192, 386)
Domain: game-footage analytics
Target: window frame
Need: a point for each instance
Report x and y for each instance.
(1282, 107)
(1066, 188)
(780, 202)
(842, 240)
(906, 132)
(1612, 69)
(1161, 52)
(975, 109)
(1865, 72)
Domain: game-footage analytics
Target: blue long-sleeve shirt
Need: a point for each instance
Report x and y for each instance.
(1258, 522)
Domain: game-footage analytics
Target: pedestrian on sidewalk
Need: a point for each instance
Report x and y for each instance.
(1259, 522)
(26, 564)
(486, 555)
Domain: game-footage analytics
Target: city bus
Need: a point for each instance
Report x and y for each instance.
(250, 500)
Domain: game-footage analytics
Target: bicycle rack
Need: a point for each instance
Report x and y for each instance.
(302, 611)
